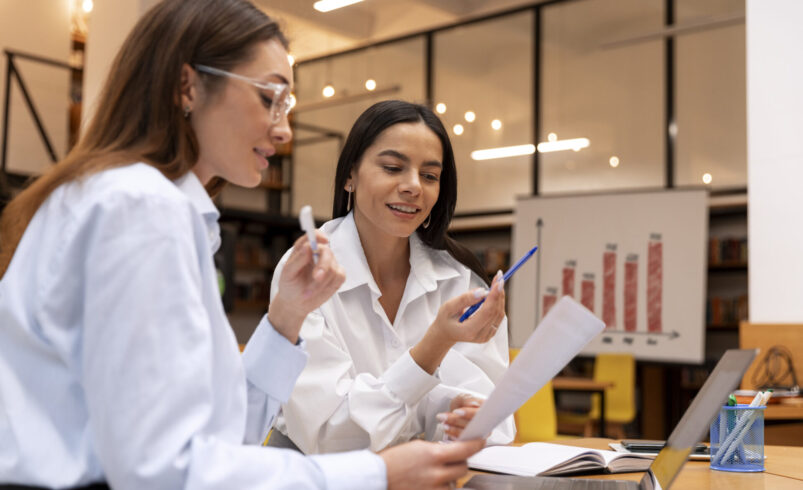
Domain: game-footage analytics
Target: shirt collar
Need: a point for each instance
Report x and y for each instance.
(427, 266)
(191, 186)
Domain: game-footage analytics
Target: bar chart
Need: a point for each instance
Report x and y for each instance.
(636, 261)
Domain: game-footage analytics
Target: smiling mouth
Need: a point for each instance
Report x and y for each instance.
(404, 209)
(263, 153)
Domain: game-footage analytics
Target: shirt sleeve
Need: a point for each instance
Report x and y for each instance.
(272, 366)
(148, 363)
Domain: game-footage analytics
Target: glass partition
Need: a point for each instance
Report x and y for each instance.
(711, 95)
(483, 85)
(602, 85)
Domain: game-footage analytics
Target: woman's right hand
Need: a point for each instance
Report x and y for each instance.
(479, 327)
(304, 285)
(447, 329)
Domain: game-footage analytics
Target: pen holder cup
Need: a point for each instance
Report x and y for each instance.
(737, 439)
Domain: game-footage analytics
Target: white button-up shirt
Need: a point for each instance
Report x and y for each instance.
(117, 362)
(361, 388)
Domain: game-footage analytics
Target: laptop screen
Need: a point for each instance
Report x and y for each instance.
(705, 406)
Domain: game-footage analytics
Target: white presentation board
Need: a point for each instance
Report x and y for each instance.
(637, 260)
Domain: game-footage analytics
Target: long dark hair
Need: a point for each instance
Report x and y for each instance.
(366, 129)
(138, 116)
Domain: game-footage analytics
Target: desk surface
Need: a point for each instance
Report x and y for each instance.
(784, 470)
(579, 384)
(785, 409)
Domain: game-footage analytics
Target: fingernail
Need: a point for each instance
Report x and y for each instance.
(447, 427)
(441, 417)
(474, 403)
(500, 285)
(460, 412)
(480, 293)
(498, 273)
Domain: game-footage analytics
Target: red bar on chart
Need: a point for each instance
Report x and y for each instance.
(655, 284)
(550, 298)
(631, 292)
(587, 291)
(568, 278)
(609, 286)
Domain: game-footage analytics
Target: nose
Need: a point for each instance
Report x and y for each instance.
(281, 132)
(411, 183)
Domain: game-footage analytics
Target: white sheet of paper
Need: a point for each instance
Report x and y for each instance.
(563, 332)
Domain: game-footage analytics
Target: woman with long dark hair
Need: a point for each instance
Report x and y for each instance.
(389, 359)
(118, 366)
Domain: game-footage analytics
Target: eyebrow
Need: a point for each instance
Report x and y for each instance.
(267, 78)
(406, 159)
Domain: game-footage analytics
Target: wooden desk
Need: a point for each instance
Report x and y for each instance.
(786, 409)
(585, 385)
(783, 471)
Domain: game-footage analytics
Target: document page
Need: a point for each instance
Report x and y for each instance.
(563, 332)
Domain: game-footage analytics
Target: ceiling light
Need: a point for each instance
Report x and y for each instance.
(503, 152)
(328, 90)
(458, 129)
(370, 84)
(575, 144)
(87, 5)
(440, 108)
(327, 5)
(614, 161)
(470, 116)
(552, 137)
(496, 124)
(707, 178)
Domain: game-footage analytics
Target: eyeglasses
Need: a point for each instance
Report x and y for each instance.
(280, 101)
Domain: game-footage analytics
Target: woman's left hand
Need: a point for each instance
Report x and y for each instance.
(461, 410)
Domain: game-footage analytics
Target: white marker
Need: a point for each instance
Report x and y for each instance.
(308, 225)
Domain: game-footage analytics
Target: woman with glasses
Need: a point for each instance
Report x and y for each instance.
(118, 367)
(389, 359)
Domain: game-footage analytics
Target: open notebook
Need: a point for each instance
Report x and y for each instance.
(544, 459)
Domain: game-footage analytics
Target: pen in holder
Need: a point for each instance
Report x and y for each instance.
(737, 439)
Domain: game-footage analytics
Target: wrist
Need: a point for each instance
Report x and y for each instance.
(430, 350)
(285, 319)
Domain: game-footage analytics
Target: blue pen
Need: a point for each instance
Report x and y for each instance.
(507, 276)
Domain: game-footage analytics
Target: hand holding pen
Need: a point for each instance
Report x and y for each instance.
(505, 278)
(309, 277)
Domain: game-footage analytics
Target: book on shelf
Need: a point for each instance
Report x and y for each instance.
(726, 311)
(727, 250)
(545, 459)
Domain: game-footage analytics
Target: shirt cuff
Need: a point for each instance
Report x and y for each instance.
(407, 380)
(272, 363)
(354, 469)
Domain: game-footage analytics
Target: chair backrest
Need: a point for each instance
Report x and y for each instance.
(620, 400)
(536, 420)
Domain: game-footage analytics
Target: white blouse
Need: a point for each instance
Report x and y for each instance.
(117, 362)
(360, 387)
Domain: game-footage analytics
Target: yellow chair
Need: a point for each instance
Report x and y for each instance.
(620, 400)
(536, 420)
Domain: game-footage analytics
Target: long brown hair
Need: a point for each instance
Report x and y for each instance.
(139, 115)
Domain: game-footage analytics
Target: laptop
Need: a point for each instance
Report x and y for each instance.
(662, 472)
